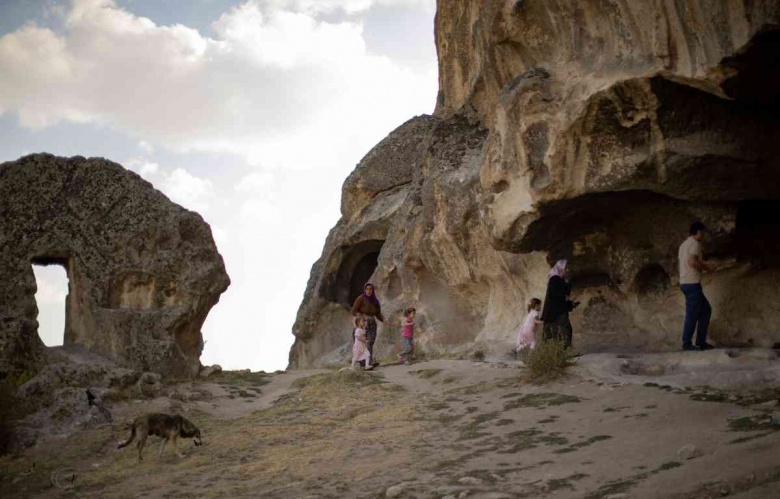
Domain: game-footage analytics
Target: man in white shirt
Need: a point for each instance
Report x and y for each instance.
(697, 308)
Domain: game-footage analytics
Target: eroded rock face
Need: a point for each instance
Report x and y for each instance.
(594, 131)
(422, 243)
(143, 272)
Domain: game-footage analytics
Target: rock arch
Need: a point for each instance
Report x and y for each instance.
(143, 271)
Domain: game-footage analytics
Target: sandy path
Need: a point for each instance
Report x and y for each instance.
(444, 429)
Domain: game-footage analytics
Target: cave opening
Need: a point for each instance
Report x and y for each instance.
(361, 275)
(358, 263)
(51, 296)
(757, 235)
(652, 279)
(757, 77)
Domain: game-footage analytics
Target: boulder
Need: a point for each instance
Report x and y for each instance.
(210, 371)
(149, 385)
(599, 145)
(394, 491)
(143, 272)
(688, 451)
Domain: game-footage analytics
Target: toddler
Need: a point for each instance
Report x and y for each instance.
(360, 348)
(526, 337)
(407, 332)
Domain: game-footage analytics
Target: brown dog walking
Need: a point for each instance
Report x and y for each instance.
(164, 426)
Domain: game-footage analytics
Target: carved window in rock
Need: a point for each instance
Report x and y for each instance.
(52, 290)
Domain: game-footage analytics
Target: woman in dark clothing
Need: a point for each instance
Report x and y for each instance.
(557, 305)
(368, 306)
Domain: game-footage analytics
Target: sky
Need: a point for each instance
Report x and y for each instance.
(251, 113)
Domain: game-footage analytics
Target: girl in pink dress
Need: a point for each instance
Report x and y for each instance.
(360, 347)
(526, 337)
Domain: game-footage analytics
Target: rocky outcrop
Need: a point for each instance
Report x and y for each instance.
(594, 131)
(143, 272)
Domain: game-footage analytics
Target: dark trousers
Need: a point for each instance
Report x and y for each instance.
(560, 329)
(697, 313)
(370, 338)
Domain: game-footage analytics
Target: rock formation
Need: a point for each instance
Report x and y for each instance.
(143, 272)
(594, 131)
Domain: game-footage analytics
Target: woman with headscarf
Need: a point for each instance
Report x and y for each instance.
(557, 305)
(368, 306)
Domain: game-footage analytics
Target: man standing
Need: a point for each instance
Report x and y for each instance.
(697, 308)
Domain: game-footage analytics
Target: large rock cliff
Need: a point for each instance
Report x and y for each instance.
(143, 272)
(594, 131)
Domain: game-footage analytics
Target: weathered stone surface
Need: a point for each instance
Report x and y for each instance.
(143, 271)
(423, 244)
(593, 131)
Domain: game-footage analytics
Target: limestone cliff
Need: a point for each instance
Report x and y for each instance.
(593, 130)
(143, 272)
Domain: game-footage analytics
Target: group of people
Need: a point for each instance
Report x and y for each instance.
(553, 312)
(367, 310)
(558, 302)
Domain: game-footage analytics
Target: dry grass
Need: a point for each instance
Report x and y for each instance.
(321, 426)
(547, 362)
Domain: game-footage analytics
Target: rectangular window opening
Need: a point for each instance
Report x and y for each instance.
(52, 281)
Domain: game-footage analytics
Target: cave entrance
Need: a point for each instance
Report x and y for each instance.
(358, 264)
(53, 285)
(362, 274)
(757, 238)
(652, 279)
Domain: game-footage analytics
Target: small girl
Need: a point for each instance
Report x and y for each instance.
(407, 332)
(360, 348)
(526, 337)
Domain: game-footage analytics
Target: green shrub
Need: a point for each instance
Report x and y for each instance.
(548, 361)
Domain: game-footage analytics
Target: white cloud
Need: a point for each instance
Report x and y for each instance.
(256, 182)
(145, 146)
(188, 190)
(348, 6)
(182, 187)
(274, 73)
(287, 101)
(143, 167)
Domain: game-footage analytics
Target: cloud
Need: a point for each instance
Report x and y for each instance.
(182, 187)
(274, 73)
(348, 6)
(188, 190)
(256, 182)
(145, 146)
(283, 97)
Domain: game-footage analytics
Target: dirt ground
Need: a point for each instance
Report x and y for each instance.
(438, 429)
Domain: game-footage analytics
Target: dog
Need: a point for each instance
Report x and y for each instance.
(164, 426)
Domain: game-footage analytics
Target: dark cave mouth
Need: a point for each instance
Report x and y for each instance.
(358, 263)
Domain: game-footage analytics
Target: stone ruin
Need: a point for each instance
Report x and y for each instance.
(143, 272)
(594, 131)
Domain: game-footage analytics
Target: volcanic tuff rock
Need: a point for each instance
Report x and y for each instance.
(143, 272)
(594, 131)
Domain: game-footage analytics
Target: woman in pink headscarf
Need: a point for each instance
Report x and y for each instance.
(557, 305)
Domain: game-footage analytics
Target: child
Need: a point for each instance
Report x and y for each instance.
(360, 348)
(407, 331)
(526, 337)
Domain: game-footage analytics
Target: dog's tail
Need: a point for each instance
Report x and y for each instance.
(132, 436)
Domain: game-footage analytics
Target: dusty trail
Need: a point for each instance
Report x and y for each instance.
(444, 428)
